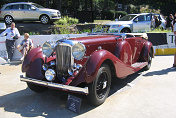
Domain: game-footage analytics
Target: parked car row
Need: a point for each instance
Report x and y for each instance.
(27, 11)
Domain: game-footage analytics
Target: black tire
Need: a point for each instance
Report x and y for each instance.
(8, 19)
(44, 19)
(36, 88)
(99, 89)
(149, 61)
(125, 30)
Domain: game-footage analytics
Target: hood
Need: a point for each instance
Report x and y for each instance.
(48, 10)
(119, 23)
(92, 40)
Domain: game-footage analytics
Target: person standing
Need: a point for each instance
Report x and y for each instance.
(169, 22)
(174, 24)
(12, 34)
(157, 22)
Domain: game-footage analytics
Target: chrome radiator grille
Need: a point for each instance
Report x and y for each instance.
(63, 59)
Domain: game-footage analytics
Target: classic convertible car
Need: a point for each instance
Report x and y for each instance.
(86, 65)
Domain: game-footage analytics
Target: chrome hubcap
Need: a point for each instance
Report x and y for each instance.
(44, 19)
(8, 20)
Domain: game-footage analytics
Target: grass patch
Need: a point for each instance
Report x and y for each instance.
(159, 31)
(101, 21)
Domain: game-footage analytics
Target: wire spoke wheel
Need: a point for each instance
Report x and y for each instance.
(101, 87)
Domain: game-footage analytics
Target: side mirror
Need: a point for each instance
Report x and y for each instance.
(33, 8)
(136, 20)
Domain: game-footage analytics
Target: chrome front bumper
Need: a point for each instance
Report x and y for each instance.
(55, 85)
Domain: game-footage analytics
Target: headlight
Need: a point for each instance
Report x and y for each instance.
(50, 74)
(78, 51)
(52, 12)
(48, 48)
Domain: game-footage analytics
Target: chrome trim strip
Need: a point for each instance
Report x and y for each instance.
(55, 85)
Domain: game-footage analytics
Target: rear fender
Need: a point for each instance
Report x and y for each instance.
(146, 50)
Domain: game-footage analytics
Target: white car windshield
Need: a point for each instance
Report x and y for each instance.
(127, 18)
(101, 29)
(37, 5)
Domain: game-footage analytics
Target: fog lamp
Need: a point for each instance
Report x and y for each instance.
(50, 74)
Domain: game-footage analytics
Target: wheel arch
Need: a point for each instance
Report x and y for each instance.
(43, 15)
(95, 62)
(128, 28)
(111, 66)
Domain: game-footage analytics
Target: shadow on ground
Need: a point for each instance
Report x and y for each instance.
(161, 72)
(12, 63)
(51, 103)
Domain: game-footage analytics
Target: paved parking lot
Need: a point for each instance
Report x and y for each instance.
(149, 94)
(33, 27)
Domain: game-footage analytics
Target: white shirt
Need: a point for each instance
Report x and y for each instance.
(10, 33)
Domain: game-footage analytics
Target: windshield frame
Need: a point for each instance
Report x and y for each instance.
(128, 17)
(37, 5)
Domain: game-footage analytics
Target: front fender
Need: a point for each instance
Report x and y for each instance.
(31, 56)
(98, 58)
(125, 26)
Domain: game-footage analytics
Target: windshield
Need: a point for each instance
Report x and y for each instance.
(38, 6)
(127, 18)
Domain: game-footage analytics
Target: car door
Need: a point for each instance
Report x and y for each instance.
(141, 23)
(29, 12)
(15, 11)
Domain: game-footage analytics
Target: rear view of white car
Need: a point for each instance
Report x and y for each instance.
(27, 11)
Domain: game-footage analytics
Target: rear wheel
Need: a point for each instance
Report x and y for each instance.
(149, 61)
(99, 89)
(8, 19)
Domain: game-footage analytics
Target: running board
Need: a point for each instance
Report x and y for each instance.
(139, 64)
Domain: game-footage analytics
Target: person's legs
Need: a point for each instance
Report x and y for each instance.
(12, 49)
(7, 48)
(174, 65)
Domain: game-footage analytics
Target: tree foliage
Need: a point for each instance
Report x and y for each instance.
(69, 7)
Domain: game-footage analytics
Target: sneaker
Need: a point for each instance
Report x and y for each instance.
(8, 60)
(22, 58)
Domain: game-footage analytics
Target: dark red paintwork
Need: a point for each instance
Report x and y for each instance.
(119, 53)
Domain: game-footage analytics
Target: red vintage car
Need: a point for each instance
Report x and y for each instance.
(86, 65)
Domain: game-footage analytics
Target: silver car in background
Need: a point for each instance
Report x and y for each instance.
(139, 23)
(27, 11)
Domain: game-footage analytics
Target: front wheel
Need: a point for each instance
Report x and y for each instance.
(125, 30)
(8, 20)
(36, 88)
(99, 89)
(44, 19)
